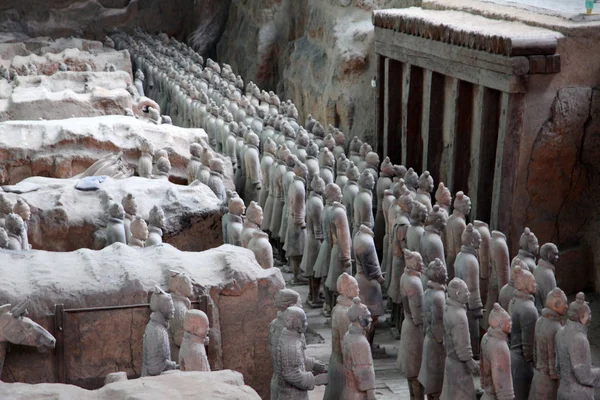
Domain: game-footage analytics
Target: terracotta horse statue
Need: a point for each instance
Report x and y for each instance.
(16, 328)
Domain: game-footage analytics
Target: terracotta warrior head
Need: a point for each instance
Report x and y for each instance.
(22, 209)
(216, 165)
(139, 228)
(406, 202)
(287, 298)
(328, 158)
(302, 138)
(438, 218)
(579, 310)
(372, 159)
(352, 173)
(387, 167)
(318, 185)
(347, 286)
(312, 150)
(437, 271)
(252, 139)
(411, 179)
(529, 242)
(339, 137)
(549, 252)
(116, 211)
(329, 142)
(295, 319)
(283, 152)
(236, 206)
(157, 217)
(399, 188)
(399, 170)
(180, 283)
(139, 75)
(162, 303)
(365, 148)
(129, 204)
(163, 166)
(556, 300)
(413, 260)
(196, 323)
(524, 280)
(471, 237)
(418, 213)
(195, 149)
(366, 180)
(462, 203)
(499, 318)
(309, 123)
(342, 164)
(359, 314)
(318, 130)
(426, 182)
(333, 193)
(254, 213)
(6, 206)
(269, 146)
(458, 291)
(355, 145)
(301, 170)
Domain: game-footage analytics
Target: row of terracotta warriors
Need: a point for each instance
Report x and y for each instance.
(13, 224)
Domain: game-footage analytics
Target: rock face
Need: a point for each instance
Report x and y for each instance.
(220, 385)
(65, 219)
(317, 53)
(97, 342)
(65, 148)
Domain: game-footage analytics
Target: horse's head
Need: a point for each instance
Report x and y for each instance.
(16, 328)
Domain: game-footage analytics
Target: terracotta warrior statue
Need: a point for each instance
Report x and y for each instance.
(544, 273)
(411, 180)
(162, 168)
(145, 160)
(384, 183)
(365, 149)
(266, 166)
(411, 338)
(115, 230)
(460, 365)
(192, 355)
(341, 243)
(156, 351)
(347, 287)
(181, 290)
(578, 377)
(495, 357)
(252, 169)
(285, 298)
(296, 226)
(387, 203)
(431, 244)
(314, 239)
(235, 223)
(545, 377)
(195, 162)
(131, 208)
(324, 257)
(276, 191)
(363, 212)
(215, 182)
(457, 222)
(6, 207)
(3, 238)
(528, 249)
(431, 374)
(354, 150)
(340, 143)
(327, 164)
(418, 216)
(15, 228)
(443, 197)
(156, 224)
(254, 216)
(261, 247)
(424, 190)
(293, 366)
(524, 317)
(341, 166)
(507, 292)
(356, 353)
(369, 276)
(139, 232)
(484, 261)
(466, 267)
(312, 152)
(499, 269)
(23, 210)
(350, 191)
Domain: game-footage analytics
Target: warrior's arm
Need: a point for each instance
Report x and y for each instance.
(582, 366)
(501, 375)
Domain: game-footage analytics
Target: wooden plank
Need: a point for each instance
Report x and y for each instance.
(449, 131)
(426, 116)
(393, 110)
(380, 145)
(59, 335)
(405, 99)
(477, 131)
(468, 73)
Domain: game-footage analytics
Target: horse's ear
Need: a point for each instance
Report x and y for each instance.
(5, 308)
(20, 309)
